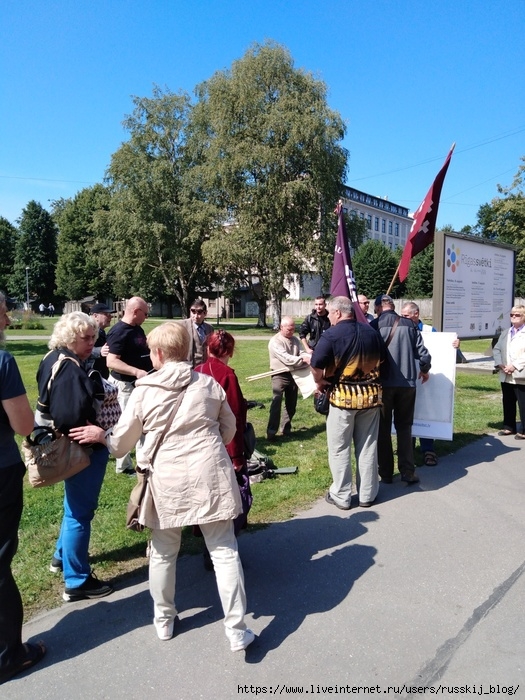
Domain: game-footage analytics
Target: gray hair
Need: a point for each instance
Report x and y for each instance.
(342, 304)
(411, 307)
(68, 327)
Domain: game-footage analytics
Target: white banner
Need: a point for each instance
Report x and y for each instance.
(434, 412)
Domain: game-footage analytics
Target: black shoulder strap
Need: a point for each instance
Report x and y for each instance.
(392, 330)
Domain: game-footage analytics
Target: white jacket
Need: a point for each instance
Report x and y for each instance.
(192, 480)
(511, 352)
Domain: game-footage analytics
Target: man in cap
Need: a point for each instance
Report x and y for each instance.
(102, 315)
(405, 347)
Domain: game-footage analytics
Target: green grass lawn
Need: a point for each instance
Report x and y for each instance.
(117, 552)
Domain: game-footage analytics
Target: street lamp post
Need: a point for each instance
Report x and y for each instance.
(27, 288)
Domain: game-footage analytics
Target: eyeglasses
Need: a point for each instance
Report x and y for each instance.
(197, 311)
(366, 303)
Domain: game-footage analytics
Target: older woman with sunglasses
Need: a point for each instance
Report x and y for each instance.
(509, 358)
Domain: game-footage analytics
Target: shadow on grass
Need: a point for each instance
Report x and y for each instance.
(27, 348)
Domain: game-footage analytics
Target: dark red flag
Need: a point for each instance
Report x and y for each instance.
(343, 282)
(422, 232)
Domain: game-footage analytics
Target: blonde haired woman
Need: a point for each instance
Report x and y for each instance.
(509, 358)
(68, 401)
(192, 481)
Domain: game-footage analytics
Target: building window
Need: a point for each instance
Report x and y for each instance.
(396, 229)
(390, 228)
(383, 226)
(369, 222)
(376, 223)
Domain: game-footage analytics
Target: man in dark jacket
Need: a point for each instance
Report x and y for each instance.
(102, 315)
(404, 347)
(314, 325)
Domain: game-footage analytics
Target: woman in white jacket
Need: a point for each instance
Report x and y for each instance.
(509, 358)
(192, 481)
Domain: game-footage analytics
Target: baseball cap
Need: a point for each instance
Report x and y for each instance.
(101, 309)
(383, 299)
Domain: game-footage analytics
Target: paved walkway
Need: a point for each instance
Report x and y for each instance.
(426, 588)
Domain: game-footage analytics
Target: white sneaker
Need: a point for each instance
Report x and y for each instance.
(164, 629)
(243, 640)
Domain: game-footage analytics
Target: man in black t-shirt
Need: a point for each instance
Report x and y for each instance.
(128, 359)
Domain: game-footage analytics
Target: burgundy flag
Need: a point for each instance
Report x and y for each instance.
(343, 282)
(422, 232)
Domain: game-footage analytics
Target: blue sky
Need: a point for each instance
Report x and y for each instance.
(409, 77)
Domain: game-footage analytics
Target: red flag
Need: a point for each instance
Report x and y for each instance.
(422, 232)
(343, 282)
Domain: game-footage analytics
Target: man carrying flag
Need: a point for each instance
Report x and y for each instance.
(422, 232)
(343, 282)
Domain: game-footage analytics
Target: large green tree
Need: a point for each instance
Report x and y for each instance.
(156, 221)
(8, 236)
(374, 267)
(504, 220)
(272, 166)
(82, 255)
(36, 248)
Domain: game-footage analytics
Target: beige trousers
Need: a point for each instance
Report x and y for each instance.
(222, 546)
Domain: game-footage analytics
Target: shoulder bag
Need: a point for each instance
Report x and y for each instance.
(50, 456)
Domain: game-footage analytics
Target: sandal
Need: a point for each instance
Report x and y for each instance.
(519, 436)
(430, 459)
(506, 432)
(33, 654)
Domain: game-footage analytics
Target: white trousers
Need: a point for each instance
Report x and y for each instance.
(222, 546)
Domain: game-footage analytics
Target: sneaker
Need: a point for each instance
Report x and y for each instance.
(91, 588)
(410, 478)
(164, 629)
(56, 566)
(244, 640)
(328, 498)
(128, 472)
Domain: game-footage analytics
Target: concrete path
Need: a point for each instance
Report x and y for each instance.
(425, 589)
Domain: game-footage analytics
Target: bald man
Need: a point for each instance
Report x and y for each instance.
(128, 359)
(286, 353)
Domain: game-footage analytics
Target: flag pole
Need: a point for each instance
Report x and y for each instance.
(393, 279)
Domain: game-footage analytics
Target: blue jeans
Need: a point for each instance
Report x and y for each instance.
(80, 502)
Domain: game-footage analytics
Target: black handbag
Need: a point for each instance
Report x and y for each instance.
(322, 401)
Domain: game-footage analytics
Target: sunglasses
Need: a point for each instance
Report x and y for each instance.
(197, 311)
(516, 314)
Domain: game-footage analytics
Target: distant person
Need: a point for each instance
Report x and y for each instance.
(405, 347)
(128, 360)
(286, 353)
(411, 310)
(42, 309)
(509, 358)
(192, 481)
(364, 303)
(347, 358)
(198, 331)
(51, 310)
(102, 315)
(17, 417)
(314, 325)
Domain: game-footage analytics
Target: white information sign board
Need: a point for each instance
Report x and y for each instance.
(477, 287)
